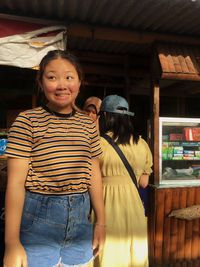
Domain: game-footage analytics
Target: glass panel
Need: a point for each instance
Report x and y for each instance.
(179, 150)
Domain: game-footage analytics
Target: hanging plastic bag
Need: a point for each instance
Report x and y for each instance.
(26, 50)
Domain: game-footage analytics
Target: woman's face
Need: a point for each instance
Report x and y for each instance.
(91, 112)
(60, 83)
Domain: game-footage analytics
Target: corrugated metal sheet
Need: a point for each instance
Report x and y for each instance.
(161, 16)
(172, 16)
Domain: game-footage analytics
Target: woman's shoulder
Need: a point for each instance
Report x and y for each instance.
(33, 111)
(143, 145)
(83, 118)
(141, 141)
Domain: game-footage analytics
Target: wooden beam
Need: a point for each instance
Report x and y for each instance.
(106, 58)
(103, 84)
(124, 35)
(180, 76)
(113, 70)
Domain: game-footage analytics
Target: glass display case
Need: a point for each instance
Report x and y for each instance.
(179, 156)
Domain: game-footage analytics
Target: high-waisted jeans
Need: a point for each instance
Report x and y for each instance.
(55, 230)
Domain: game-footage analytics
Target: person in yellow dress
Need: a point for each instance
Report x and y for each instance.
(126, 228)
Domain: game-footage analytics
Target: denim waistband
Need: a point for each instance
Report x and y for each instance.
(64, 198)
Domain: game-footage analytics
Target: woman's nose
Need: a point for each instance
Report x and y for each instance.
(62, 84)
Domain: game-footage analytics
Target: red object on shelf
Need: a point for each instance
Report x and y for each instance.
(173, 137)
(192, 134)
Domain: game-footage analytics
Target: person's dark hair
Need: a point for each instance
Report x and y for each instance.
(120, 125)
(52, 55)
(55, 54)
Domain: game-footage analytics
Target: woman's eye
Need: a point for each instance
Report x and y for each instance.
(69, 77)
(51, 77)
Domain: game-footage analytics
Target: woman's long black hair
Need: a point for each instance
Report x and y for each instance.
(120, 125)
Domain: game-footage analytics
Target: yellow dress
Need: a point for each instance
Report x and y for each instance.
(126, 228)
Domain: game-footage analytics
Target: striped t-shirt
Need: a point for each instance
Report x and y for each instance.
(59, 150)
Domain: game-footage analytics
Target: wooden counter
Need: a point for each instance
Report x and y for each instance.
(173, 242)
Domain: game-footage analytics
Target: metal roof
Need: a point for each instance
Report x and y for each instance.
(176, 18)
(169, 16)
(180, 17)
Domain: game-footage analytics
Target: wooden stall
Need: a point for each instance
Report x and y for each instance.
(172, 242)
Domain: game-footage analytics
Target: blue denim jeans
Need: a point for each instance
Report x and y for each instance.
(55, 230)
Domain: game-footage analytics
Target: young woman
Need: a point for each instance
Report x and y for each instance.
(53, 153)
(126, 229)
(92, 108)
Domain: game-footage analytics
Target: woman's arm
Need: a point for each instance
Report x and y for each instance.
(96, 196)
(144, 178)
(15, 193)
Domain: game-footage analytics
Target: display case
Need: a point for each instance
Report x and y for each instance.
(179, 156)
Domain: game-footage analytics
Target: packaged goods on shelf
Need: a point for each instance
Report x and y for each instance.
(177, 157)
(167, 150)
(3, 143)
(164, 150)
(197, 144)
(181, 150)
(170, 152)
(178, 153)
(178, 148)
(197, 154)
(191, 134)
(188, 158)
(188, 154)
(165, 137)
(175, 136)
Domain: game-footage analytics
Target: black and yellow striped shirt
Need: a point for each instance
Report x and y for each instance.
(60, 150)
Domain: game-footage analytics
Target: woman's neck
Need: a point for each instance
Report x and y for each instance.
(58, 114)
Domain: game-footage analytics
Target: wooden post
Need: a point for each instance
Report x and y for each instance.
(127, 87)
(155, 101)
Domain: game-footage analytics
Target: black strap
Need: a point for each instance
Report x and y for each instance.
(123, 158)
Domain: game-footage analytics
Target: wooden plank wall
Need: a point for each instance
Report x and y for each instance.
(173, 242)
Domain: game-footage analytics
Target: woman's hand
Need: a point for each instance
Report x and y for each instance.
(15, 255)
(144, 180)
(99, 238)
